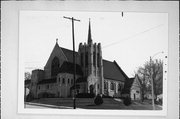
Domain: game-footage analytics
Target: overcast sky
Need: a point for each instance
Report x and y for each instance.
(129, 40)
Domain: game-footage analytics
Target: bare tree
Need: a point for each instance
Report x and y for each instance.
(144, 73)
(27, 76)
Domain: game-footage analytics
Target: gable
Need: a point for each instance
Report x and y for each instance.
(136, 83)
(56, 52)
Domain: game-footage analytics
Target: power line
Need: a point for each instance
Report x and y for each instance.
(115, 43)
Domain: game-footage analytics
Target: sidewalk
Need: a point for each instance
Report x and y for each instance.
(38, 105)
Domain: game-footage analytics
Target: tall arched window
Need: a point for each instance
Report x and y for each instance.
(94, 59)
(55, 66)
(86, 59)
(105, 85)
(82, 59)
(119, 87)
(98, 59)
(112, 86)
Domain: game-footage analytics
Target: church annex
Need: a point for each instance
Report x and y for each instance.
(93, 73)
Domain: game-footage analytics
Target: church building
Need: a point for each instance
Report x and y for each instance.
(94, 74)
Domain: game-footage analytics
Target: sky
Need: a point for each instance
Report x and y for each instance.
(129, 40)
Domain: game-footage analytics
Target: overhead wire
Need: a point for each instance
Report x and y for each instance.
(147, 30)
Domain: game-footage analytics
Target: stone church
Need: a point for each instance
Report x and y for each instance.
(93, 73)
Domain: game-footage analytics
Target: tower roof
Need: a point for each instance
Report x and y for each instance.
(89, 33)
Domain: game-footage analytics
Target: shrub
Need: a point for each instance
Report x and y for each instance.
(85, 95)
(98, 100)
(127, 101)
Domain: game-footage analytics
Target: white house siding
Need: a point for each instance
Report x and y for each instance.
(135, 94)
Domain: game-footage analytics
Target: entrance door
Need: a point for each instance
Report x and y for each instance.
(91, 87)
(134, 96)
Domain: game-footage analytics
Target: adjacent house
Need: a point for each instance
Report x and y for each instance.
(135, 91)
(132, 88)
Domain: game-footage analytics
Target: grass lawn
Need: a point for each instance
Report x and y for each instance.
(88, 103)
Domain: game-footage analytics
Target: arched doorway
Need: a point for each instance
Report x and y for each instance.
(91, 88)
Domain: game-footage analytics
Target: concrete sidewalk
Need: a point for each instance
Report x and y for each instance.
(39, 105)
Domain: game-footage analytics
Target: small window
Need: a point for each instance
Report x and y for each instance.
(39, 87)
(68, 81)
(59, 80)
(98, 86)
(71, 81)
(47, 86)
(63, 81)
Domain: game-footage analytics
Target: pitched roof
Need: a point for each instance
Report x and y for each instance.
(112, 71)
(45, 81)
(136, 82)
(68, 67)
(69, 54)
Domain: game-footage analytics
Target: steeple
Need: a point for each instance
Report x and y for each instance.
(56, 40)
(89, 33)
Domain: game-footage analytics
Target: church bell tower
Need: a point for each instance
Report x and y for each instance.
(91, 63)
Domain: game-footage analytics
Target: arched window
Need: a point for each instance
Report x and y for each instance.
(63, 81)
(82, 60)
(98, 59)
(94, 59)
(55, 66)
(72, 81)
(68, 81)
(105, 85)
(59, 80)
(119, 87)
(86, 59)
(112, 86)
(115, 87)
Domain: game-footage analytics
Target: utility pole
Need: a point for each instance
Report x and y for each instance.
(152, 80)
(24, 93)
(74, 95)
(152, 83)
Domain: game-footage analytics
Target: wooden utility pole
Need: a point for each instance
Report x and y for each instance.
(74, 95)
(152, 83)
